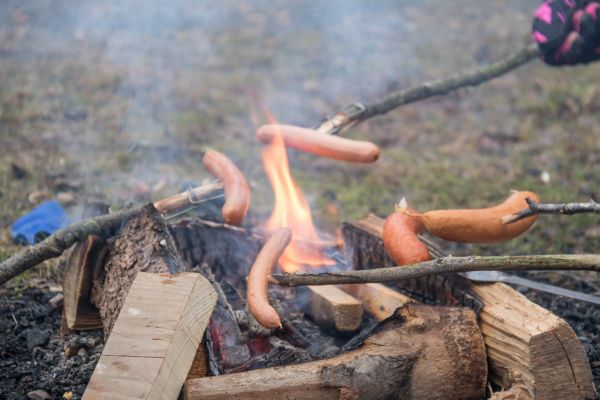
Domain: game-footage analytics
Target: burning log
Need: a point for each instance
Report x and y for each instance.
(528, 347)
(333, 308)
(422, 352)
(154, 340)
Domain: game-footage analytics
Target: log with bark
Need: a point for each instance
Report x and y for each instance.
(143, 244)
(530, 350)
(422, 352)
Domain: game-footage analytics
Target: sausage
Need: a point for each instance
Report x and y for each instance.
(258, 278)
(400, 238)
(480, 225)
(237, 192)
(321, 144)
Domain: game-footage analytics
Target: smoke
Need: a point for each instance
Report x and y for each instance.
(145, 84)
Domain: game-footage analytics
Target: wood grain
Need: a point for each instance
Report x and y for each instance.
(528, 347)
(378, 300)
(154, 339)
(424, 352)
(333, 308)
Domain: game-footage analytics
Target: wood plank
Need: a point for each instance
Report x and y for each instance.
(333, 308)
(378, 300)
(425, 352)
(528, 347)
(83, 263)
(154, 339)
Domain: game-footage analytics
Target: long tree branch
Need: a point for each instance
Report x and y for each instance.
(444, 265)
(541, 208)
(443, 86)
(55, 244)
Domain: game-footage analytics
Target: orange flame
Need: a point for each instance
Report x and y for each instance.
(291, 210)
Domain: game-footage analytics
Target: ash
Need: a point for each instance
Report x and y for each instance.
(32, 353)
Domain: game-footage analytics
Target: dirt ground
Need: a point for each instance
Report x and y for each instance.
(116, 100)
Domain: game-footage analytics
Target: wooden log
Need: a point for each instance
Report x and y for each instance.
(84, 262)
(378, 300)
(154, 340)
(425, 352)
(143, 244)
(528, 347)
(333, 308)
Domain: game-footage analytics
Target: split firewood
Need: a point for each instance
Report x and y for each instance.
(531, 351)
(333, 308)
(534, 208)
(422, 352)
(378, 300)
(236, 206)
(142, 245)
(155, 338)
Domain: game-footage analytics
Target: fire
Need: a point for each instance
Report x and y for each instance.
(291, 210)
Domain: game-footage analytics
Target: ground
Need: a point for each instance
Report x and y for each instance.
(116, 100)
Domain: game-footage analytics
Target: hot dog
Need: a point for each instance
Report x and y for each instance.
(258, 278)
(321, 144)
(237, 192)
(479, 225)
(400, 238)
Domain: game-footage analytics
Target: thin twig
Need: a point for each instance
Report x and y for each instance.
(444, 265)
(55, 244)
(541, 208)
(443, 86)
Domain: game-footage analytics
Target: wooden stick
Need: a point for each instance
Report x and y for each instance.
(569, 262)
(357, 112)
(333, 308)
(562, 208)
(378, 300)
(103, 227)
(175, 202)
(155, 338)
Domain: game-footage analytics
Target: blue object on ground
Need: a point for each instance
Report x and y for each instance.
(39, 223)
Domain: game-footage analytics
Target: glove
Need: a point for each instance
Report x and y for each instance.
(568, 31)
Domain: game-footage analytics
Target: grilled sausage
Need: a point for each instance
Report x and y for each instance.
(480, 225)
(400, 238)
(237, 192)
(258, 278)
(311, 141)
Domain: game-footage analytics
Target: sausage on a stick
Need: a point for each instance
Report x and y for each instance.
(258, 278)
(311, 141)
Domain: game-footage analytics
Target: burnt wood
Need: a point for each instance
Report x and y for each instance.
(422, 352)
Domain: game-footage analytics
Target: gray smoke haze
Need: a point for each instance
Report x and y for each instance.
(156, 80)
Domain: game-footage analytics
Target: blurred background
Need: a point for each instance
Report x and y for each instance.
(114, 100)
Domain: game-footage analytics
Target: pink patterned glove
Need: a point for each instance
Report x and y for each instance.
(568, 31)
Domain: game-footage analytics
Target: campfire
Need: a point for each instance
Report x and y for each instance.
(217, 309)
(175, 302)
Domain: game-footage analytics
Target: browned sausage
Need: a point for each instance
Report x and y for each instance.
(258, 278)
(480, 225)
(237, 192)
(321, 144)
(400, 238)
